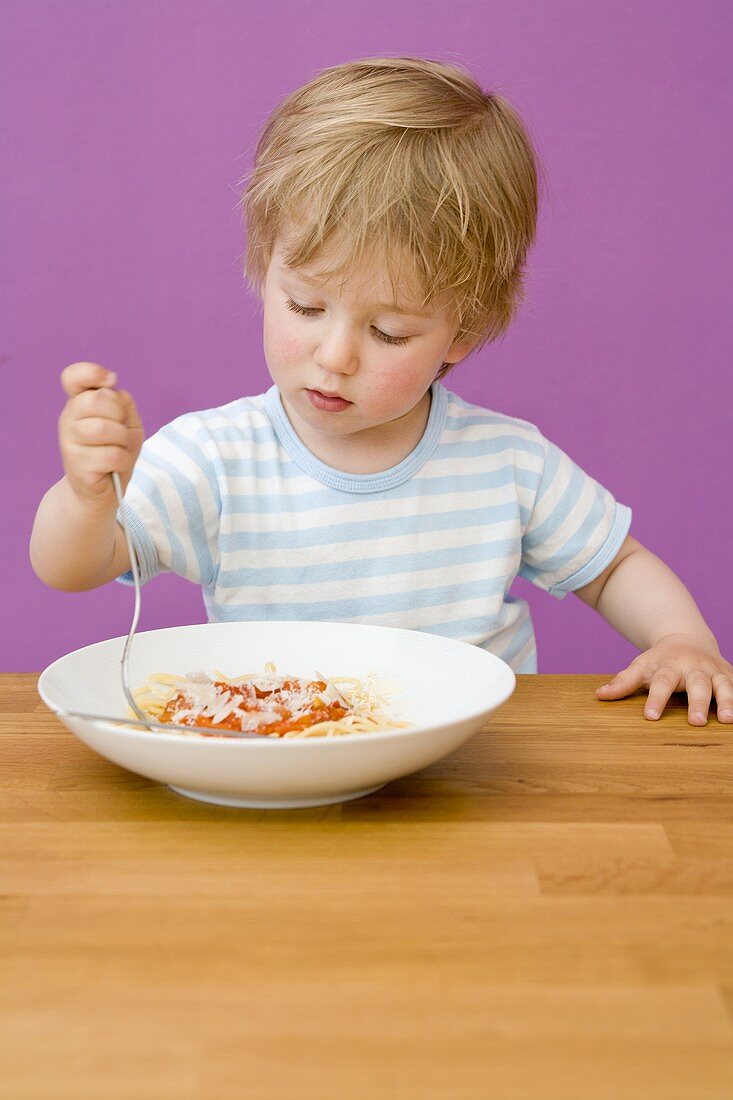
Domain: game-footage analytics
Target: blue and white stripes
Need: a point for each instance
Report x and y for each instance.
(231, 499)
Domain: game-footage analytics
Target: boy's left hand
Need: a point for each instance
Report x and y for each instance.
(678, 662)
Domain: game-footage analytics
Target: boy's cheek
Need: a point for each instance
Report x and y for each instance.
(280, 349)
(403, 383)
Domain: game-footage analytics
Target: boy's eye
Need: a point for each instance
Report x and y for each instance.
(309, 312)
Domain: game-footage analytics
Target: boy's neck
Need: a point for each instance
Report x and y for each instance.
(368, 452)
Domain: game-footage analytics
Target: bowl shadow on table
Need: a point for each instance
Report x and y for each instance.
(464, 785)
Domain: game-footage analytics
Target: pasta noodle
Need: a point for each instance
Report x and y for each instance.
(267, 704)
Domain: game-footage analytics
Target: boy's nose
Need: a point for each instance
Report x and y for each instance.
(337, 353)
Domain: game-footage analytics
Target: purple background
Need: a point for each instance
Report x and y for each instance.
(125, 130)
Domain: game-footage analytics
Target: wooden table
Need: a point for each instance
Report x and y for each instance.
(546, 913)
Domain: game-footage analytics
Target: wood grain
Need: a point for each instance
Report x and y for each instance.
(546, 913)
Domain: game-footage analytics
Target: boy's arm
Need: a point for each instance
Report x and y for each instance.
(76, 542)
(75, 547)
(648, 604)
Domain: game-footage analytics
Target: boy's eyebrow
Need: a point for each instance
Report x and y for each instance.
(392, 307)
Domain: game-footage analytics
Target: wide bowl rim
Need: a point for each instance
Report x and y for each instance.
(157, 737)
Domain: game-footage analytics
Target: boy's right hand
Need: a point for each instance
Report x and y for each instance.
(99, 431)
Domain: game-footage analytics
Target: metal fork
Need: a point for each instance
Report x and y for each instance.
(142, 717)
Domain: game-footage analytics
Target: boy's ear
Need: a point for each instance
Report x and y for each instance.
(460, 350)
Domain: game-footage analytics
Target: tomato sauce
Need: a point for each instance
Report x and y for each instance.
(318, 711)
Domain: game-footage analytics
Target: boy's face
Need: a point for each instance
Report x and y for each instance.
(345, 346)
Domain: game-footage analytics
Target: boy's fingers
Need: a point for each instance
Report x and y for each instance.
(723, 686)
(78, 377)
(132, 416)
(699, 691)
(103, 401)
(664, 682)
(623, 683)
(660, 691)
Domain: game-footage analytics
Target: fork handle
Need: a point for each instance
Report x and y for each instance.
(144, 718)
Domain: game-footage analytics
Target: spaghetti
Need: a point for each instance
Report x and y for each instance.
(266, 704)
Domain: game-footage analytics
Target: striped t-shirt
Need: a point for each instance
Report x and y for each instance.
(231, 498)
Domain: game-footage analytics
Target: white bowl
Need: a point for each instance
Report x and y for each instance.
(448, 690)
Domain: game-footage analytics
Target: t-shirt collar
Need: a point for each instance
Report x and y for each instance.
(359, 483)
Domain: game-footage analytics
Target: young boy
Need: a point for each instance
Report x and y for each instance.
(358, 488)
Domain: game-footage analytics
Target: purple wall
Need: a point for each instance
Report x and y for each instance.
(125, 128)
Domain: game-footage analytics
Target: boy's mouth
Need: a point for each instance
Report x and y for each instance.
(327, 402)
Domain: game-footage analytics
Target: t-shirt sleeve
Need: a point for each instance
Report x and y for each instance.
(575, 527)
(172, 505)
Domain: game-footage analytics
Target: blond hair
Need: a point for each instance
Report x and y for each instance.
(409, 154)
